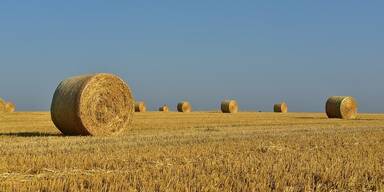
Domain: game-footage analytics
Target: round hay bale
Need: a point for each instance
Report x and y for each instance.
(184, 107)
(280, 107)
(229, 106)
(2, 105)
(343, 107)
(96, 104)
(140, 106)
(164, 108)
(10, 107)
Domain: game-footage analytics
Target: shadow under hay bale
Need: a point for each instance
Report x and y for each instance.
(32, 134)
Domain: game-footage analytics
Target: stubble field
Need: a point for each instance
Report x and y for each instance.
(197, 152)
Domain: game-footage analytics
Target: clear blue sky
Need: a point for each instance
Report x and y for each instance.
(258, 52)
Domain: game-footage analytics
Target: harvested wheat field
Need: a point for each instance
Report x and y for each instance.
(197, 152)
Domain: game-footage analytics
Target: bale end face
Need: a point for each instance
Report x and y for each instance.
(184, 107)
(342, 107)
(229, 106)
(280, 107)
(97, 104)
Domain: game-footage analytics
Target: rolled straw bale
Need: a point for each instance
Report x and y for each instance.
(343, 107)
(96, 104)
(10, 107)
(229, 106)
(140, 106)
(2, 105)
(164, 108)
(280, 107)
(184, 107)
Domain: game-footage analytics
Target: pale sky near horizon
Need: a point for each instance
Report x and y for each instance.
(257, 52)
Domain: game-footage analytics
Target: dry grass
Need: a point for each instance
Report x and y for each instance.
(197, 152)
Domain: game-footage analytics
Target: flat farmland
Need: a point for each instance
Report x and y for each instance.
(199, 151)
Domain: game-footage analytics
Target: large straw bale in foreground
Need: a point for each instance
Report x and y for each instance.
(229, 106)
(140, 106)
(164, 108)
(343, 107)
(280, 107)
(97, 104)
(184, 107)
(10, 107)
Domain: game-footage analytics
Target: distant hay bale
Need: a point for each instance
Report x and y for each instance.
(10, 107)
(184, 107)
(280, 107)
(140, 106)
(229, 106)
(164, 108)
(96, 104)
(343, 107)
(2, 105)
